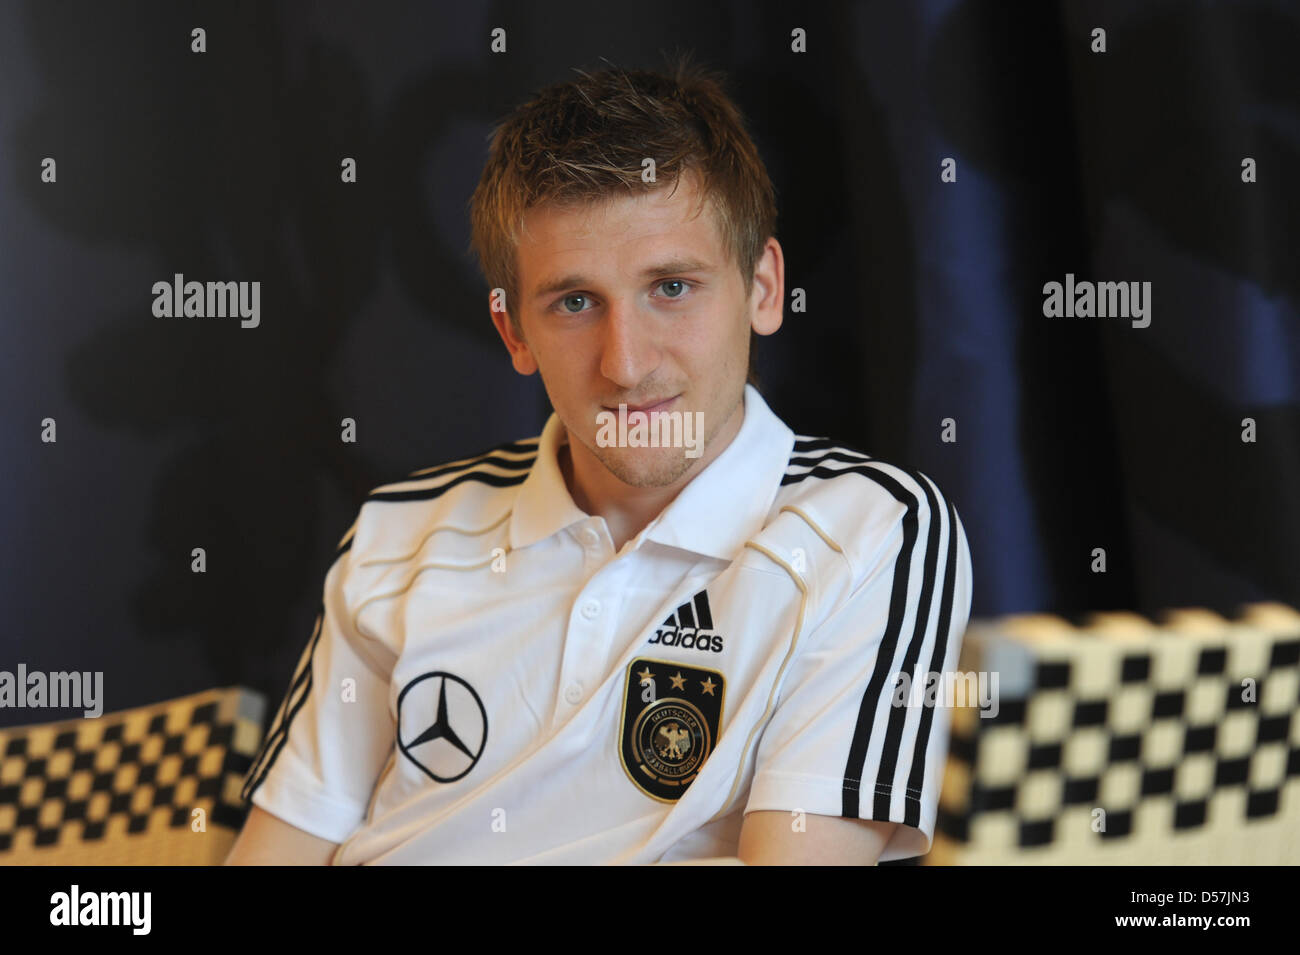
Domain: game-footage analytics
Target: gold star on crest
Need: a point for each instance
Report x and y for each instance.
(645, 674)
(679, 681)
(708, 685)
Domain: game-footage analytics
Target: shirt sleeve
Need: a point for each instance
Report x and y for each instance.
(333, 732)
(837, 745)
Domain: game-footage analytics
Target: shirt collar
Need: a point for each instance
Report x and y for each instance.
(722, 507)
(544, 506)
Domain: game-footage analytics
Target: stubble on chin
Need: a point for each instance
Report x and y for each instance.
(664, 467)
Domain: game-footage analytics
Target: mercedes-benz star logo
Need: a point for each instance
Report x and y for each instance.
(451, 745)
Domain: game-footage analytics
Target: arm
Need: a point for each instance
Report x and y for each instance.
(864, 764)
(313, 777)
(269, 840)
(768, 838)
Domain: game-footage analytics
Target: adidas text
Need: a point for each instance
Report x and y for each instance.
(688, 638)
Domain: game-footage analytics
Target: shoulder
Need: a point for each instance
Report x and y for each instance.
(865, 508)
(471, 492)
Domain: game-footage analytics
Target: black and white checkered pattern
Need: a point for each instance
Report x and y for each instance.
(1150, 724)
(151, 767)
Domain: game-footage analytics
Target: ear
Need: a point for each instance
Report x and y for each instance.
(767, 297)
(520, 355)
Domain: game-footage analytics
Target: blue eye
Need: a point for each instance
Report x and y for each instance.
(562, 304)
(566, 298)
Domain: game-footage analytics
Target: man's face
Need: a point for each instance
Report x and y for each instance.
(634, 301)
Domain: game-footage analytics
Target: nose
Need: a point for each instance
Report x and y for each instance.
(628, 350)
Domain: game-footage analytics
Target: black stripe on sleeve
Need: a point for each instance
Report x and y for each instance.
(302, 673)
(803, 445)
(916, 778)
(509, 464)
(857, 757)
(275, 740)
(897, 722)
(430, 493)
(527, 447)
(849, 457)
(513, 447)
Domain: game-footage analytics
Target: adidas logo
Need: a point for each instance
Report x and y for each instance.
(690, 626)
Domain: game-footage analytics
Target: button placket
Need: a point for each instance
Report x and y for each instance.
(586, 645)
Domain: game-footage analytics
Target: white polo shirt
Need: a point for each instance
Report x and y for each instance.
(488, 681)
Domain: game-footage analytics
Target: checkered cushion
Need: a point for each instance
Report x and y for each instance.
(122, 789)
(1125, 741)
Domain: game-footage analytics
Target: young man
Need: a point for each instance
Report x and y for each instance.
(633, 639)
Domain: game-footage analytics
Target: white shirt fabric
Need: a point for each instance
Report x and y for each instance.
(489, 682)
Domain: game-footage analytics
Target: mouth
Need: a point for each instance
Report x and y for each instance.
(660, 404)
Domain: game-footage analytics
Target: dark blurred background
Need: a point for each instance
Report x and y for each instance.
(924, 298)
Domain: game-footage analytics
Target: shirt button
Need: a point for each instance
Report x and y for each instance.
(573, 693)
(590, 537)
(590, 609)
